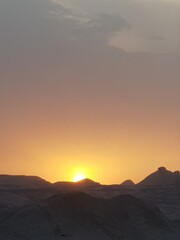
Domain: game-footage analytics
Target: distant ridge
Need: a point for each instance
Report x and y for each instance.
(22, 181)
(87, 182)
(127, 183)
(161, 177)
(83, 184)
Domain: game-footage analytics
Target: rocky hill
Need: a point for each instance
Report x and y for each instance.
(162, 177)
(78, 216)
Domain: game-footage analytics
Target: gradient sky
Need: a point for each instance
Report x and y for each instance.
(91, 86)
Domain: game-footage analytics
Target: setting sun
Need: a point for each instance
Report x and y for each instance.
(78, 177)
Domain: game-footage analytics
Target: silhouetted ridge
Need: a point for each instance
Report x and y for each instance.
(78, 186)
(161, 177)
(22, 181)
(128, 183)
(87, 182)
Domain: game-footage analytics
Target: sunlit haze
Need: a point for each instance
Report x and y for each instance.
(78, 178)
(90, 86)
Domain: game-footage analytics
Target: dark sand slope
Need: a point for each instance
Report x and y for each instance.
(78, 216)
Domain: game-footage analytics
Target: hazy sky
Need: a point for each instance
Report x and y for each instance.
(89, 85)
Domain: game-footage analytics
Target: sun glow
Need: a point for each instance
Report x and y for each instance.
(78, 177)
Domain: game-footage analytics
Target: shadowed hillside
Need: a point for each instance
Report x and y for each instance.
(161, 177)
(79, 216)
(34, 209)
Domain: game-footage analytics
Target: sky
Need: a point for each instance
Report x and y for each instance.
(89, 87)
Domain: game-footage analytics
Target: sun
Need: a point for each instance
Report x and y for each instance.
(78, 177)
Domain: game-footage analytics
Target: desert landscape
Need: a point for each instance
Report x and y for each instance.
(34, 209)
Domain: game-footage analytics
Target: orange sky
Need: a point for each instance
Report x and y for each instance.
(76, 97)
